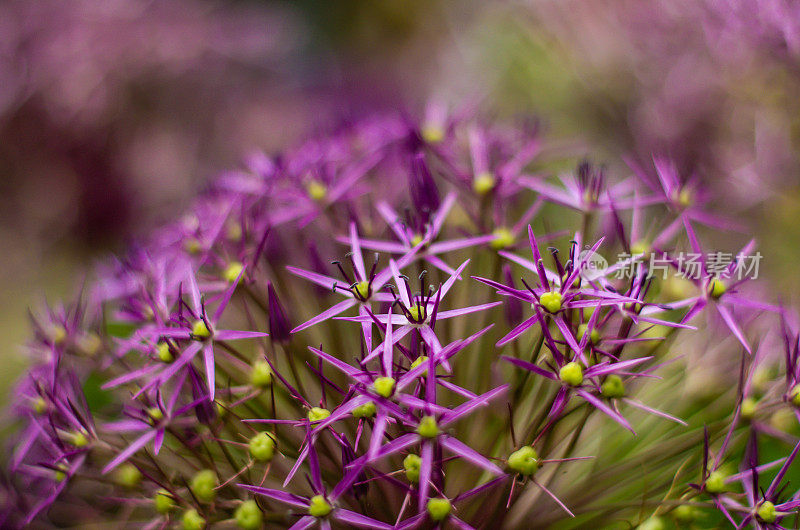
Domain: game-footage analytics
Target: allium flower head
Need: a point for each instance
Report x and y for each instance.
(444, 372)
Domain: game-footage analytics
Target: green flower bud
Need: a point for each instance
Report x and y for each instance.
(155, 414)
(163, 501)
(591, 196)
(319, 507)
(60, 474)
(794, 395)
(57, 334)
(766, 512)
(432, 133)
(234, 231)
(384, 386)
(632, 307)
(411, 464)
(784, 419)
(571, 374)
(483, 183)
(192, 520)
(684, 513)
(128, 476)
(418, 361)
(439, 509)
(416, 313)
(715, 483)
(192, 245)
(427, 427)
(89, 343)
(78, 439)
(640, 247)
(416, 240)
(684, 197)
(503, 238)
(316, 190)
(318, 414)
(367, 410)
(763, 377)
(200, 330)
(551, 301)
(361, 290)
(613, 387)
(677, 287)
(594, 336)
(203, 485)
(39, 405)
(749, 407)
(717, 288)
(262, 447)
(232, 271)
(164, 353)
(248, 516)
(524, 461)
(261, 374)
(653, 523)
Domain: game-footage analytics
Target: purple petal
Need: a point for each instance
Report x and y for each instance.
(226, 297)
(441, 315)
(425, 470)
(517, 331)
(398, 444)
(325, 315)
(457, 244)
(504, 289)
(304, 522)
(356, 519)
(228, 334)
(462, 410)
(338, 364)
(642, 406)
(784, 469)
(552, 496)
(733, 326)
(278, 495)
(607, 368)
(158, 440)
(569, 337)
(467, 453)
(319, 279)
(529, 366)
(130, 450)
(605, 409)
(208, 359)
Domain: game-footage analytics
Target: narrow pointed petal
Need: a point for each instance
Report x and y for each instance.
(358, 258)
(325, 315)
(129, 451)
(733, 326)
(552, 496)
(467, 453)
(425, 474)
(651, 410)
(280, 496)
(605, 409)
(208, 359)
(361, 521)
(333, 361)
(462, 410)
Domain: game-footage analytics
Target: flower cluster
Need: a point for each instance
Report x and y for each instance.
(368, 331)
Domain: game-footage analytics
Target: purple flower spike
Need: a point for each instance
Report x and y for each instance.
(279, 328)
